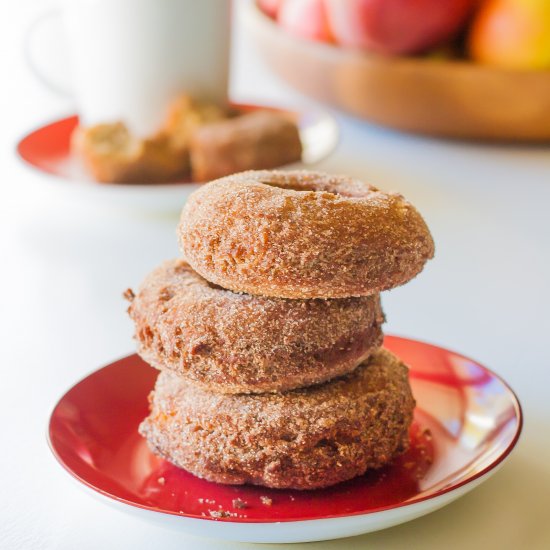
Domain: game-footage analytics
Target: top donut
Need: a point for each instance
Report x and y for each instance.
(302, 234)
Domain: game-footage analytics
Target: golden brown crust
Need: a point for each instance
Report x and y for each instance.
(302, 234)
(113, 155)
(302, 439)
(236, 343)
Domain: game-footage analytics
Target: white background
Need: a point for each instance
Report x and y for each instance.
(65, 263)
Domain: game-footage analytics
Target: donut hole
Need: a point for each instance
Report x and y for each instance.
(344, 190)
(291, 186)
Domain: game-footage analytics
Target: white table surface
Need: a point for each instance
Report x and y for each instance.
(64, 265)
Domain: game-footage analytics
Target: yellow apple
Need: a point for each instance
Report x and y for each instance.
(513, 34)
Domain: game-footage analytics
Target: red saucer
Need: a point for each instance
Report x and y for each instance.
(466, 422)
(48, 148)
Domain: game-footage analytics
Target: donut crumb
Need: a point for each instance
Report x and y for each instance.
(216, 514)
(129, 295)
(240, 504)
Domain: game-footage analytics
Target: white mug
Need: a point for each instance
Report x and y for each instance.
(131, 58)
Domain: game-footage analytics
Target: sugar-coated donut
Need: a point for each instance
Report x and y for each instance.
(302, 439)
(302, 234)
(257, 140)
(233, 343)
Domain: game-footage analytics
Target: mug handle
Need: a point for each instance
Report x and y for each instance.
(34, 67)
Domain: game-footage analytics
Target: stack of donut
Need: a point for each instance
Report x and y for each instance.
(268, 334)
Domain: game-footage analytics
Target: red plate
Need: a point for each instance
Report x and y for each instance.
(466, 422)
(48, 148)
(47, 152)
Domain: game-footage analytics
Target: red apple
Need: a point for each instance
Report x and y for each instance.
(270, 7)
(305, 18)
(396, 26)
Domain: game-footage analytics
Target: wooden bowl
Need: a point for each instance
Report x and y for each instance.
(445, 98)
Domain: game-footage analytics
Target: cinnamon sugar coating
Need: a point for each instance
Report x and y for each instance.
(258, 140)
(238, 343)
(302, 234)
(302, 439)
